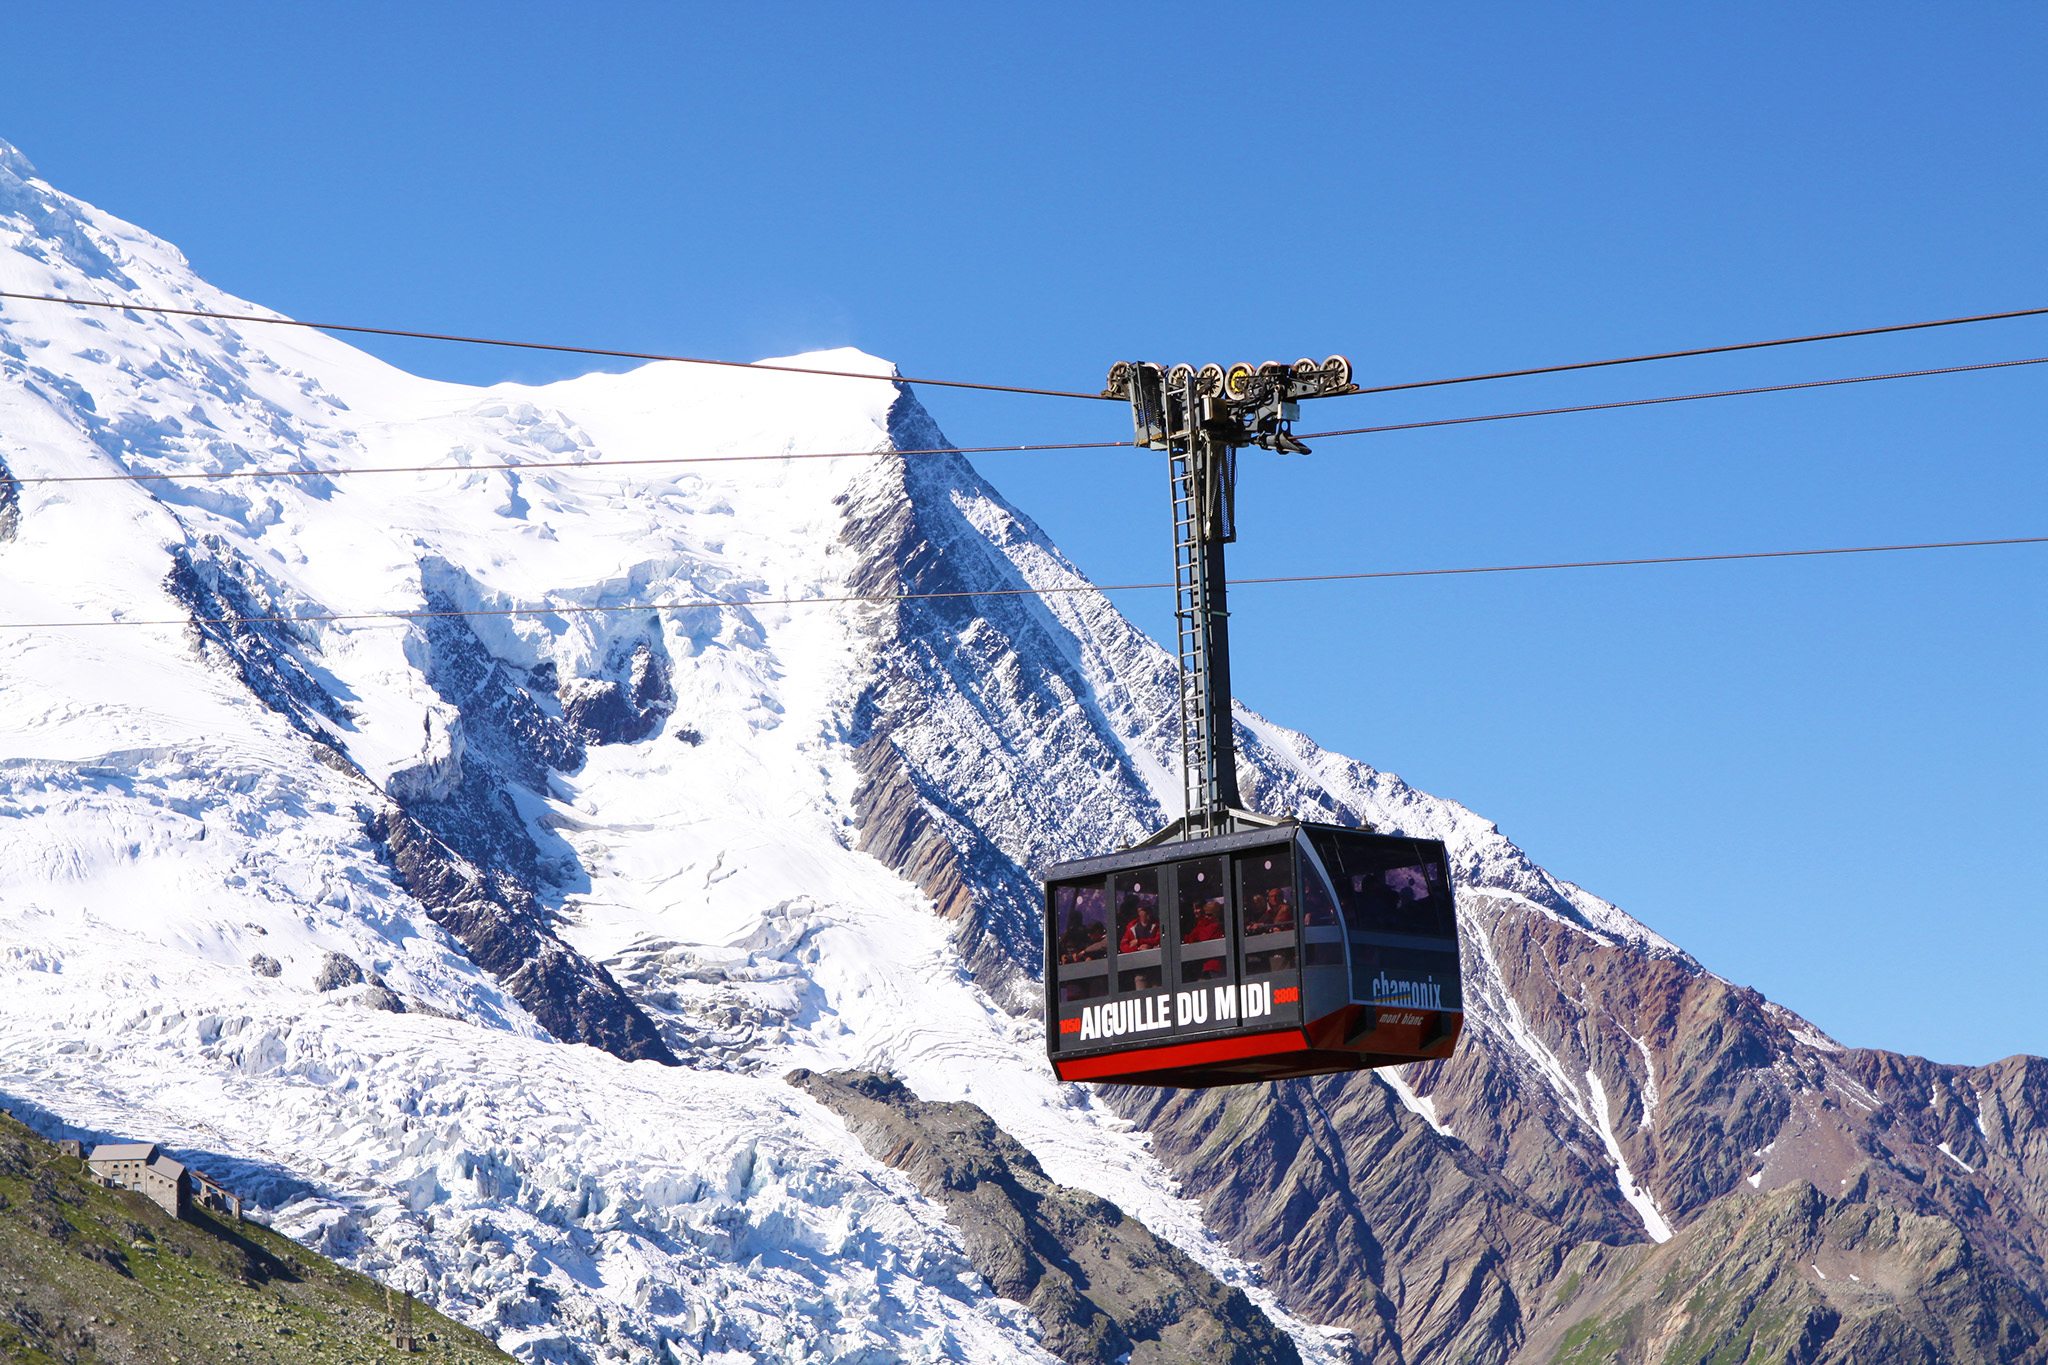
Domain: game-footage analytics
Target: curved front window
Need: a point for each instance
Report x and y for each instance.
(1400, 917)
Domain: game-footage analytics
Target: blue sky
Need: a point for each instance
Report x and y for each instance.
(1822, 777)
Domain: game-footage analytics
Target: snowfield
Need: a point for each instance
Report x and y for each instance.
(172, 813)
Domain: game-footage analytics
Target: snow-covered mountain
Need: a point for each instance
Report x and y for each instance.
(475, 943)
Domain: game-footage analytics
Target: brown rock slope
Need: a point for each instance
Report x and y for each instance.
(1105, 1290)
(1469, 1224)
(1610, 1093)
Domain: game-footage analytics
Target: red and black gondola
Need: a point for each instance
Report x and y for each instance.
(1296, 949)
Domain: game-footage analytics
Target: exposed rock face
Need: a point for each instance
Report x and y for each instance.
(263, 964)
(337, 971)
(457, 841)
(494, 736)
(1103, 1287)
(620, 710)
(461, 847)
(1360, 1214)
(1508, 1207)
(376, 997)
(948, 798)
(499, 925)
(10, 503)
(233, 625)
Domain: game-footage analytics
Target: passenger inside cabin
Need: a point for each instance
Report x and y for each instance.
(1081, 941)
(1254, 913)
(1142, 932)
(1408, 885)
(1316, 907)
(1208, 923)
(1073, 938)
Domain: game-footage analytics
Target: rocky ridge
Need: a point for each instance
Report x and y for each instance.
(1610, 1092)
(1102, 1287)
(1617, 1099)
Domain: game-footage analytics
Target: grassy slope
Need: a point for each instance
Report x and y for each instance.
(91, 1275)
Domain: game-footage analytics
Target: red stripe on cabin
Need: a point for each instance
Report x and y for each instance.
(1181, 1054)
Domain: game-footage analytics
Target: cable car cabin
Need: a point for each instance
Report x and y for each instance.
(1296, 950)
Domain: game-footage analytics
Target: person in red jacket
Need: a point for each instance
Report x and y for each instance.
(1208, 923)
(1140, 933)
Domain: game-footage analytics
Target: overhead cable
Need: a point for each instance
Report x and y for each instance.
(885, 598)
(309, 472)
(529, 345)
(1000, 388)
(1673, 398)
(1701, 350)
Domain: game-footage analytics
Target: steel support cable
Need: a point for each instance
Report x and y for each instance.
(884, 598)
(1675, 398)
(1003, 388)
(310, 472)
(1703, 350)
(531, 345)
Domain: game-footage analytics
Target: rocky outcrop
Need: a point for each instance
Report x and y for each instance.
(977, 718)
(236, 623)
(455, 839)
(10, 504)
(377, 997)
(489, 735)
(337, 971)
(622, 710)
(1104, 1288)
(499, 925)
(1361, 1215)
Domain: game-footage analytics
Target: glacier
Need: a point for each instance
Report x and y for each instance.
(782, 832)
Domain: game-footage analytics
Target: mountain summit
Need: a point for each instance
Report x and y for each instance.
(400, 862)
